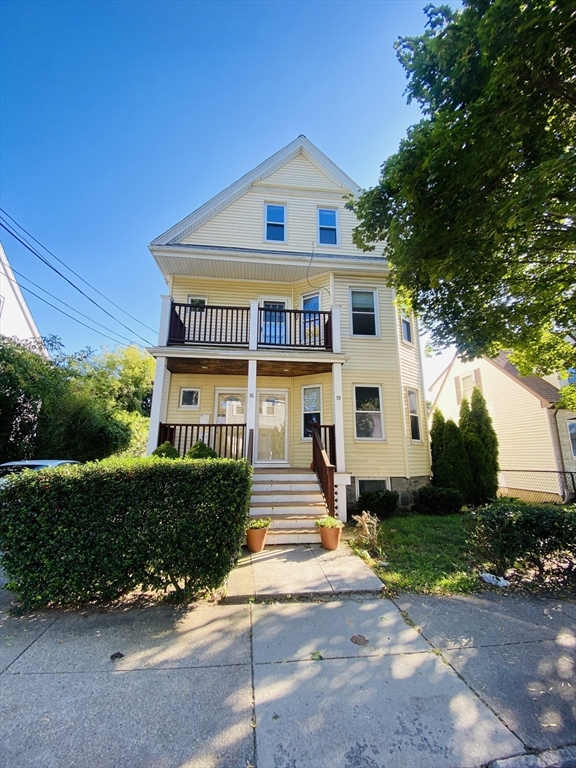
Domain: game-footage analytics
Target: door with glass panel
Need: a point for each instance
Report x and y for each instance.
(272, 427)
(230, 409)
(273, 322)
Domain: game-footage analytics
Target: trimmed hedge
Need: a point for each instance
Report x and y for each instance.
(438, 501)
(96, 531)
(201, 451)
(380, 503)
(508, 531)
(166, 451)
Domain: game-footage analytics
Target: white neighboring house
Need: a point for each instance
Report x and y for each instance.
(15, 317)
(537, 441)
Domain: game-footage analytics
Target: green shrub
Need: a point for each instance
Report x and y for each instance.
(201, 451)
(96, 531)
(452, 469)
(380, 503)
(439, 501)
(166, 451)
(328, 522)
(258, 523)
(506, 531)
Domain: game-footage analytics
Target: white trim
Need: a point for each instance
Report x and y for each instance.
(338, 416)
(369, 439)
(302, 388)
(362, 289)
(266, 222)
(301, 145)
(274, 299)
(188, 407)
(378, 479)
(309, 296)
(336, 227)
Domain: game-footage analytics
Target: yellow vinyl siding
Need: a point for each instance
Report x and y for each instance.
(520, 420)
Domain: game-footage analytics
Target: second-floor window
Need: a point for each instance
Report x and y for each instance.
(327, 226)
(406, 327)
(275, 224)
(363, 310)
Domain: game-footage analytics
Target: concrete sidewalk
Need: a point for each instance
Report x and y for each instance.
(350, 682)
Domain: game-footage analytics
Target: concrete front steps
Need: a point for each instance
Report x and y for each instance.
(293, 499)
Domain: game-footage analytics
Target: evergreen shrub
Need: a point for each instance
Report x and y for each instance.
(439, 501)
(201, 451)
(166, 451)
(380, 503)
(507, 531)
(96, 531)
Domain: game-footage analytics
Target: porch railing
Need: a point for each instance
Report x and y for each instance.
(226, 439)
(230, 326)
(295, 328)
(209, 325)
(324, 468)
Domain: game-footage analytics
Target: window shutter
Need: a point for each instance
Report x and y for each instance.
(458, 390)
(478, 378)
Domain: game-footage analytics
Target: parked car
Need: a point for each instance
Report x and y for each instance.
(10, 468)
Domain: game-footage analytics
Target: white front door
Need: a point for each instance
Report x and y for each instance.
(272, 427)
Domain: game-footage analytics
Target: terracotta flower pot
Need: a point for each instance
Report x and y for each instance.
(256, 539)
(330, 537)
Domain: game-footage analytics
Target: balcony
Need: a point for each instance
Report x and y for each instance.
(252, 327)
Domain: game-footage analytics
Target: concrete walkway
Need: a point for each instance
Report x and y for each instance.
(333, 682)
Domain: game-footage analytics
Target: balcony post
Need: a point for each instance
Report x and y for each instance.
(336, 335)
(161, 385)
(254, 325)
(165, 321)
(251, 409)
(338, 415)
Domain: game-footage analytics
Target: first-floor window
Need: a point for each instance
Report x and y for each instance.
(368, 413)
(189, 398)
(572, 434)
(230, 408)
(312, 409)
(414, 414)
(198, 302)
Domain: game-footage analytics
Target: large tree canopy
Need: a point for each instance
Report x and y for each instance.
(476, 212)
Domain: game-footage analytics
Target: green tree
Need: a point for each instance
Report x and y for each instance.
(452, 468)
(44, 413)
(436, 438)
(481, 423)
(478, 457)
(476, 212)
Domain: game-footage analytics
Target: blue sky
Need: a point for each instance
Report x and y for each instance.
(120, 118)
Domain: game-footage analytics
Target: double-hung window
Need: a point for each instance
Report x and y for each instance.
(311, 409)
(368, 420)
(327, 226)
(406, 321)
(414, 415)
(363, 312)
(572, 436)
(275, 223)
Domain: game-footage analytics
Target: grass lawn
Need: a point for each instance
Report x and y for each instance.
(427, 554)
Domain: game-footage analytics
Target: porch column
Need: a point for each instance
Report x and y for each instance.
(341, 478)
(336, 336)
(251, 403)
(161, 384)
(253, 337)
(164, 321)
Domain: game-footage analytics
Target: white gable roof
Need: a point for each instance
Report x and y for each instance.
(301, 145)
(15, 317)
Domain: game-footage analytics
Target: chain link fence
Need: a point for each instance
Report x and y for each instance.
(537, 485)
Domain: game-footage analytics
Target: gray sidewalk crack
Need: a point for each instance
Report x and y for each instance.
(253, 691)
(30, 645)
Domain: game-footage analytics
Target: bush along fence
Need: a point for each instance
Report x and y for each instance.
(94, 532)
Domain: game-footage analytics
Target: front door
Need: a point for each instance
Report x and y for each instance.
(272, 438)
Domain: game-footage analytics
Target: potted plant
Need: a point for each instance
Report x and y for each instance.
(256, 533)
(330, 529)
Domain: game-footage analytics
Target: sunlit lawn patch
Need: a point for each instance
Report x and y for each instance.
(427, 554)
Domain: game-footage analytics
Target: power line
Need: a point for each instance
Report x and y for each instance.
(53, 268)
(69, 307)
(65, 313)
(76, 273)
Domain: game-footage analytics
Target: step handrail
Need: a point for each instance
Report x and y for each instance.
(324, 470)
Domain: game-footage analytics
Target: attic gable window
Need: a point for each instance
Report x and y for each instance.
(275, 224)
(327, 226)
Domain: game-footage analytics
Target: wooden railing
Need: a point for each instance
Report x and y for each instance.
(226, 439)
(323, 467)
(209, 325)
(295, 328)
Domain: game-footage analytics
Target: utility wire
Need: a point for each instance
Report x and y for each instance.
(76, 273)
(65, 313)
(53, 268)
(73, 309)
